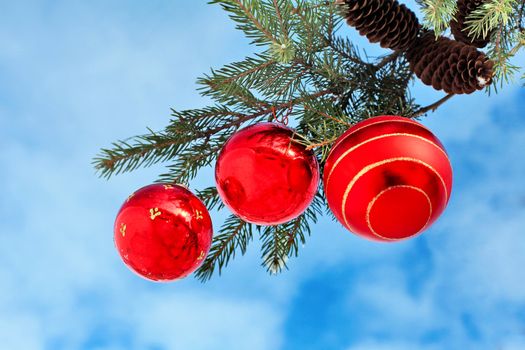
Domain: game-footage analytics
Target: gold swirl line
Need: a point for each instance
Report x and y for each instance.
(378, 164)
(340, 159)
(373, 201)
(387, 121)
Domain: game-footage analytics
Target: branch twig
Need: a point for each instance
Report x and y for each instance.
(244, 118)
(432, 107)
(258, 24)
(387, 59)
(326, 115)
(520, 16)
(321, 144)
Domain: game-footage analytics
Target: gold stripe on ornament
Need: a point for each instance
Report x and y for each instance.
(385, 121)
(373, 201)
(378, 164)
(130, 196)
(340, 159)
(168, 187)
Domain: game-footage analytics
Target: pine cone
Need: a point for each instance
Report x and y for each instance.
(391, 24)
(449, 65)
(458, 25)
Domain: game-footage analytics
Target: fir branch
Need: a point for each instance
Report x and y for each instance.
(323, 114)
(284, 84)
(274, 243)
(268, 111)
(340, 46)
(191, 160)
(240, 72)
(248, 13)
(388, 59)
(140, 151)
(324, 143)
(146, 150)
(431, 108)
(519, 45)
(231, 84)
(438, 14)
(303, 5)
(279, 16)
(345, 49)
(296, 236)
(210, 198)
(489, 16)
(234, 235)
(281, 242)
(520, 15)
(506, 46)
(301, 226)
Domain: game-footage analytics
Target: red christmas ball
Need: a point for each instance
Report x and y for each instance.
(163, 232)
(388, 178)
(264, 177)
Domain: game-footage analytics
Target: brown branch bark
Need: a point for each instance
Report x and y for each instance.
(258, 24)
(326, 115)
(432, 107)
(321, 144)
(247, 117)
(387, 59)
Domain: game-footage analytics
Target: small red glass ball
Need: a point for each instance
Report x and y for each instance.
(388, 178)
(265, 177)
(163, 232)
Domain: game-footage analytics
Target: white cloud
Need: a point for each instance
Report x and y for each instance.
(514, 344)
(21, 332)
(205, 322)
(80, 76)
(384, 291)
(389, 345)
(78, 79)
(473, 291)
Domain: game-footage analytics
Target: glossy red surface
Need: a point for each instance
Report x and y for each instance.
(264, 177)
(387, 178)
(163, 232)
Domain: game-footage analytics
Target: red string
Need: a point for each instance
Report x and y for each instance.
(285, 118)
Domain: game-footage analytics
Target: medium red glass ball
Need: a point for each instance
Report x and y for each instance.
(388, 178)
(163, 232)
(264, 177)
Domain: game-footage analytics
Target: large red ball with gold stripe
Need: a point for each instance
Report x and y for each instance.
(388, 178)
(163, 232)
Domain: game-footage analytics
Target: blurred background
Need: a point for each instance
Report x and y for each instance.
(77, 75)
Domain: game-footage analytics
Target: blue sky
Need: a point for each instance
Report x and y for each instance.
(76, 75)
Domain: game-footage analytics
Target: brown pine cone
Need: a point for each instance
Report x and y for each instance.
(449, 65)
(458, 25)
(391, 24)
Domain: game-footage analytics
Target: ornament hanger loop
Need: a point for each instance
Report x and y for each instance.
(284, 116)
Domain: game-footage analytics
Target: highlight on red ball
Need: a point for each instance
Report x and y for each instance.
(264, 177)
(163, 232)
(388, 178)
